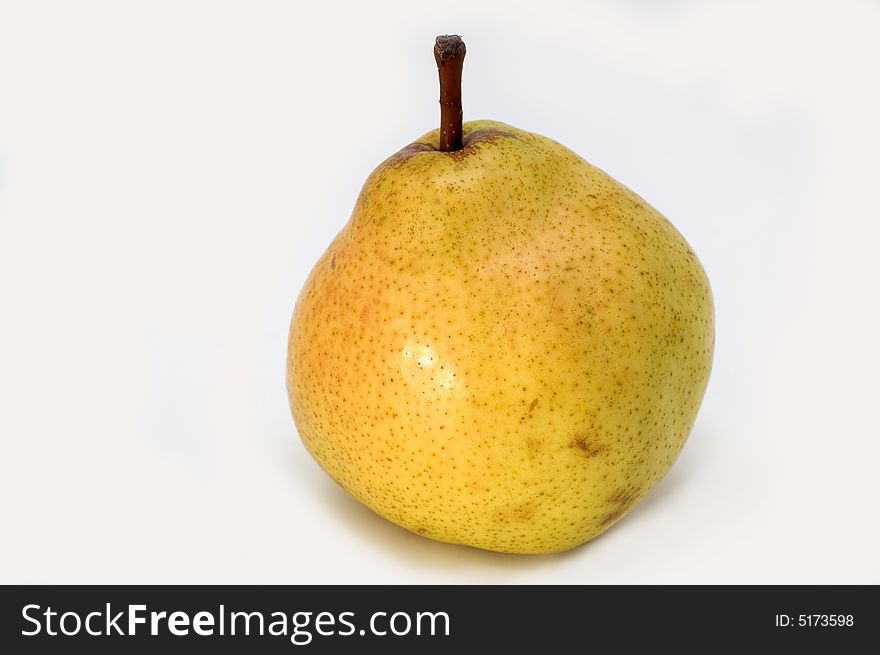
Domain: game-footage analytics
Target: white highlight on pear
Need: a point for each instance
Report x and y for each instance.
(419, 361)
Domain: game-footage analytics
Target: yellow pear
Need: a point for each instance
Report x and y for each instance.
(504, 347)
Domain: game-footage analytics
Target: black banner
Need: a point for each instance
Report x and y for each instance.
(321, 619)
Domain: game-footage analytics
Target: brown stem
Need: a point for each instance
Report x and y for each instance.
(449, 52)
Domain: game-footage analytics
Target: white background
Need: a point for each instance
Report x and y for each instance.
(170, 171)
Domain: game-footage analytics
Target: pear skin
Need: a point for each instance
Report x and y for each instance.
(504, 347)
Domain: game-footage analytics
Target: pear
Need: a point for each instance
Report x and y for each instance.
(504, 347)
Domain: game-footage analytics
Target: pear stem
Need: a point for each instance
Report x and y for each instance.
(449, 53)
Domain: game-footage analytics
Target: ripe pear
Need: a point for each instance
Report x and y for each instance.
(504, 347)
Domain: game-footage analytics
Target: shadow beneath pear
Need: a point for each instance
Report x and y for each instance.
(427, 553)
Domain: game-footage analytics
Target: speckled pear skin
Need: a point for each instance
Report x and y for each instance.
(504, 347)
